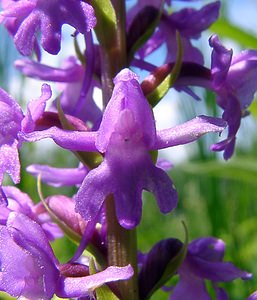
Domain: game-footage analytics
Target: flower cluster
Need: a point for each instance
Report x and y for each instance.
(116, 147)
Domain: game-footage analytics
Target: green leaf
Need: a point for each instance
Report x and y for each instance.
(162, 89)
(225, 29)
(106, 22)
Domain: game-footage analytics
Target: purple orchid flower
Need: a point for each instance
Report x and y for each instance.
(12, 121)
(232, 78)
(69, 81)
(21, 202)
(30, 16)
(204, 261)
(126, 136)
(234, 81)
(189, 23)
(30, 269)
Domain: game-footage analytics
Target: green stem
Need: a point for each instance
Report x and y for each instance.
(120, 9)
(114, 53)
(122, 250)
(122, 243)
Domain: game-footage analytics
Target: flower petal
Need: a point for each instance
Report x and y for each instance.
(72, 287)
(188, 132)
(58, 176)
(72, 140)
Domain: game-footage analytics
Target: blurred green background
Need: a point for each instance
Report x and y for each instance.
(216, 198)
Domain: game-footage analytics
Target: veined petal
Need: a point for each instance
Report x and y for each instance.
(188, 132)
(71, 140)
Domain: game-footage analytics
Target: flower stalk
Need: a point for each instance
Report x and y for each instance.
(121, 243)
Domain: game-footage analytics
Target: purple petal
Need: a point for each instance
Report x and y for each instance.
(48, 16)
(25, 37)
(207, 248)
(12, 279)
(221, 60)
(10, 124)
(216, 271)
(58, 176)
(204, 259)
(97, 186)
(64, 209)
(72, 140)
(160, 184)
(82, 286)
(242, 76)
(188, 132)
(232, 114)
(190, 288)
(69, 73)
(36, 109)
(190, 22)
(127, 94)
(27, 232)
(10, 118)
(27, 261)
(18, 201)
